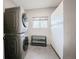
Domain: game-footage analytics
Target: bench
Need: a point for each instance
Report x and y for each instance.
(37, 40)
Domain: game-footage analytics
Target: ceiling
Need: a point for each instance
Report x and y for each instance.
(34, 4)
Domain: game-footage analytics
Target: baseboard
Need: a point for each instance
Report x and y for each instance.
(55, 52)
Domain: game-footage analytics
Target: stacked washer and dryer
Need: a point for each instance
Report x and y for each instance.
(15, 33)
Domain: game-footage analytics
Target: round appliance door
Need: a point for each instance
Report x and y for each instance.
(24, 20)
(25, 43)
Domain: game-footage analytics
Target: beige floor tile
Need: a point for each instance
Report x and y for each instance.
(38, 52)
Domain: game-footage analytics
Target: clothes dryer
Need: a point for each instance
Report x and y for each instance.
(15, 21)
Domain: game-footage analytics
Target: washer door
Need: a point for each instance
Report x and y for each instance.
(24, 20)
(25, 44)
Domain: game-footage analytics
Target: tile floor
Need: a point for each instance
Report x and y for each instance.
(38, 52)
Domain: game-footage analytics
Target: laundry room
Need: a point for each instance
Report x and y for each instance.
(37, 29)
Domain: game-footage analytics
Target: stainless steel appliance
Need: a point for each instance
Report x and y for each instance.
(15, 30)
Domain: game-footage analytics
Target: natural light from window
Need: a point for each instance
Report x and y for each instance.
(40, 22)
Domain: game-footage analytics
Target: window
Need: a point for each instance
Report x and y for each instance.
(40, 23)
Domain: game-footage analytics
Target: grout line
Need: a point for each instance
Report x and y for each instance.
(55, 51)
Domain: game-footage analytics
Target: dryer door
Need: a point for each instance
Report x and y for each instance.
(24, 20)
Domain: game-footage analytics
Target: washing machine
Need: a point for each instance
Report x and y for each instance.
(15, 30)
(15, 46)
(15, 20)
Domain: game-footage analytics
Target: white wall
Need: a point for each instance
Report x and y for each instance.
(35, 13)
(69, 29)
(57, 34)
(8, 4)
